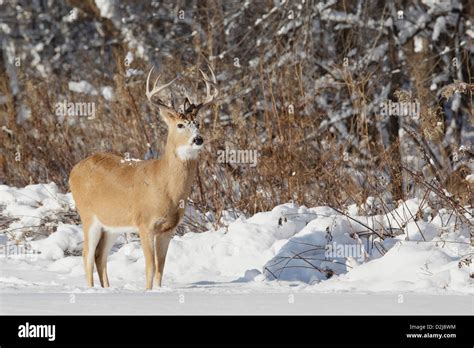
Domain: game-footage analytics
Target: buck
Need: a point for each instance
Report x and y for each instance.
(114, 196)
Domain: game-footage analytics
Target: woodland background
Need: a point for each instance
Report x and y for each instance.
(301, 82)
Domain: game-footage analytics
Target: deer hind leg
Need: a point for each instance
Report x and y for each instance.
(106, 242)
(92, 233)
(162, 241)
(146, 238)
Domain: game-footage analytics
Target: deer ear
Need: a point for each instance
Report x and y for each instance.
(186, 104)
(190, 109)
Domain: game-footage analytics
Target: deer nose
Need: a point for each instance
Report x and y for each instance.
(198, 140)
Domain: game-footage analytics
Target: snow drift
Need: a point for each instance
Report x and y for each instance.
(318, 248)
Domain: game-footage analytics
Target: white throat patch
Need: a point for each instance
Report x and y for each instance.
(188, 152)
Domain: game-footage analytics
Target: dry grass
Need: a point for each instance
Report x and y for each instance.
(299, 160)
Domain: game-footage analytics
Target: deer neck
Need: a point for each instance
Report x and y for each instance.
(178, 174)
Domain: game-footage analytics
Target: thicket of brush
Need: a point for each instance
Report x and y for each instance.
(300, 82)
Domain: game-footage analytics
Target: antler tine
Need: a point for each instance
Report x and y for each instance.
(212, 74)
(187, 96)
(209, 97)
(148, 95)
(156, 88)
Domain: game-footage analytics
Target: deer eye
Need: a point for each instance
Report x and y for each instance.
(180, 125)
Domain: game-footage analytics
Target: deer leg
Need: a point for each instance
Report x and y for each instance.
(162, 242)
(106, 243)
(85, 247)
(146, 238)
(92, 233)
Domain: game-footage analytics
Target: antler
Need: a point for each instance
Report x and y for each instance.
(156, 89)
(209, 97)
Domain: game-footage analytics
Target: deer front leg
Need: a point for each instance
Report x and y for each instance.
(162, 242)
(148, 246)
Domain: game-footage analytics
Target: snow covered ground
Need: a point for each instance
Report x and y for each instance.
(292, 259)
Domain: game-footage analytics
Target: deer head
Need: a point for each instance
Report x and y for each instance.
(183, 130)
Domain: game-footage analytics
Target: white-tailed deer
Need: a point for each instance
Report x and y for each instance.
(113, 195)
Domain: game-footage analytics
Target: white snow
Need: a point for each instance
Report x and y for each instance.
(129, 58)
(439, 27)
(83, 87)
(106, 8)
(470, 33)
(66, 238)
(310, 250)
(107, 92)
(133, 72)
(418, 41)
